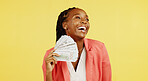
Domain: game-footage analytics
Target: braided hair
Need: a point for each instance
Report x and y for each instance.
(61, 18)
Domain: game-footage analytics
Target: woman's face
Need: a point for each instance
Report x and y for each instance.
(76, 24)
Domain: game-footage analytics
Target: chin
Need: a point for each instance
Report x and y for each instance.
(78, 36)
(81, 36)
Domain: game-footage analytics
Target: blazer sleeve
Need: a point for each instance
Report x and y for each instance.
(44, 65)
(106, 66)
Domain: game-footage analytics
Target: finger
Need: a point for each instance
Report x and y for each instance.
(53, 54)
(52, 58)
(52, 62)
(52, 51)
(55, 60)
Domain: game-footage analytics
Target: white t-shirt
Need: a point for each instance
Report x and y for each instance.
(80, 73)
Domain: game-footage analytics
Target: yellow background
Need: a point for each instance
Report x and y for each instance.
(27, 30)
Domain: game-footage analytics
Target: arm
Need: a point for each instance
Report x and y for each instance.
(49, 76)
(48, 65)
(106, 66)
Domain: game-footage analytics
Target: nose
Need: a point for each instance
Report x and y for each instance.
(84, 21)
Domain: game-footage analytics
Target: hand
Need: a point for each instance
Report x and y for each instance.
(51, 61)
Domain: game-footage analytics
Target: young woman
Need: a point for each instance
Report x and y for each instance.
(93, 61)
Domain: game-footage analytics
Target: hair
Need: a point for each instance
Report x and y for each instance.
(61, 18)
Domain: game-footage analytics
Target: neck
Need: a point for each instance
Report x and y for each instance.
(80, 45)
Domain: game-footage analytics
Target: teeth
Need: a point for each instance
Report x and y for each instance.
(84, 28)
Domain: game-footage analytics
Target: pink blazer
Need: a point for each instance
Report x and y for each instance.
(98, 66)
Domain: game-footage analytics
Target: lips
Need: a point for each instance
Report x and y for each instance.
(82, 28)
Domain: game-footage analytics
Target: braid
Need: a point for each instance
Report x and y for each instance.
(61, 18)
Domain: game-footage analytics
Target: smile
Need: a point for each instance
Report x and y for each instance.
(83, 29)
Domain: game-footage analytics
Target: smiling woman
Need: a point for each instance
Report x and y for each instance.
(93, 61)
(77, 24)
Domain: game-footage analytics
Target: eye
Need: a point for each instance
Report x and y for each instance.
(77, 17)
(87, 19)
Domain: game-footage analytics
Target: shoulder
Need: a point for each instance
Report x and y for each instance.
(48, 51)
(94, 43)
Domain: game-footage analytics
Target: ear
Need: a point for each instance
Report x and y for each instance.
(64, 24)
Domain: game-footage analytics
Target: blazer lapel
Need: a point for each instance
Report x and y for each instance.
(89, 64)
(89, 61)
(65, 71)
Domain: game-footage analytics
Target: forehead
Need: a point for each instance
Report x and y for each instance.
(77, 12)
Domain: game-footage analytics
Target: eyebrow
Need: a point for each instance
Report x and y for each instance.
(79, 14)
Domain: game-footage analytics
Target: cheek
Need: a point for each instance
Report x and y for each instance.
(76, 23)
(72, 25)
(88, 24)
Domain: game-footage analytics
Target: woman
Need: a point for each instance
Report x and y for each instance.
(93, 62)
